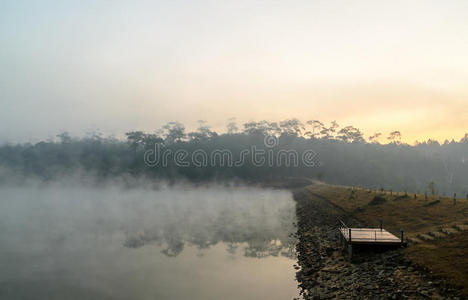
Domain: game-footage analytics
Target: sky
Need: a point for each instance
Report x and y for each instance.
(116, 66)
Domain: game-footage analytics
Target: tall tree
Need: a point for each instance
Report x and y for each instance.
(374, 139)
(173, 132)
(395, 137)
(232, 126)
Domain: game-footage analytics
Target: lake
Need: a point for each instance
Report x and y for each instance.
(182, 242)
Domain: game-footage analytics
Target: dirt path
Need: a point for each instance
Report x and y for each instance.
(325, 273)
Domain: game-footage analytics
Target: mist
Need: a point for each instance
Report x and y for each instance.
(71, 241)
(113, 184)
(253, 153)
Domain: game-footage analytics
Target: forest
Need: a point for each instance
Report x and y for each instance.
(336, 155)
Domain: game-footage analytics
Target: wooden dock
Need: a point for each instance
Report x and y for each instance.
(368, 236)
(374, 236)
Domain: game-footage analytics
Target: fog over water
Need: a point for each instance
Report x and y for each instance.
(180, 242)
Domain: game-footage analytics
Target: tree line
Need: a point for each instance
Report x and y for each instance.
(344, 155)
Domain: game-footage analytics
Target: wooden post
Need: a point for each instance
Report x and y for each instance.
(349, 234)
(350, 251)
(402, 236)
(381, 225)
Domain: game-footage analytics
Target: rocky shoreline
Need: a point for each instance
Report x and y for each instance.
(324, 272)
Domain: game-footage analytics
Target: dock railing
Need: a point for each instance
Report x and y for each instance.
(375, 234)
(346, 231)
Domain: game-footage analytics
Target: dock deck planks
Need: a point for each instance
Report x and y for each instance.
(371, 236)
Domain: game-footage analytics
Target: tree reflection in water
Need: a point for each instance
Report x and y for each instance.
(258, 222)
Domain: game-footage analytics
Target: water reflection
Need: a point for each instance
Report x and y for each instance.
(262, 219)
(182, 243)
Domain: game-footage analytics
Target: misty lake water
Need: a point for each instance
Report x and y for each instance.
(170, 243)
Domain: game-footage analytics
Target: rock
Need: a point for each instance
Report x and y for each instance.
(323, 272)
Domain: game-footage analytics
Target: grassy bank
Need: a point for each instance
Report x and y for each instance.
(435, 227)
